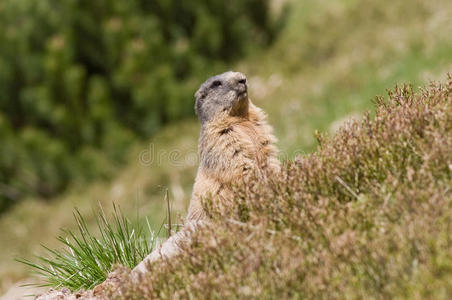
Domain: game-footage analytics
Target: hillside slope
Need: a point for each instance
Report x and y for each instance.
(368, 215)
(332, 57)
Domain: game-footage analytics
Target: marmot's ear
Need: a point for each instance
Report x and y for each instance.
(197, 104)
(196, 108)
(199, 95)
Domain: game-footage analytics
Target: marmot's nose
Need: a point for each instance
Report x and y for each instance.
(240, 80)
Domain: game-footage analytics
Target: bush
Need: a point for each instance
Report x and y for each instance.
(365, 216)
(78, 76)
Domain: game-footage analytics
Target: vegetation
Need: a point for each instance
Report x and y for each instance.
(81, 80)
(328, 62)
(86, 259)
(365, 216)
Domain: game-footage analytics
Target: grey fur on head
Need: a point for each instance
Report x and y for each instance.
(222, 92)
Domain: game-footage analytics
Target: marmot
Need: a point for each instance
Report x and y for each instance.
(235, 141)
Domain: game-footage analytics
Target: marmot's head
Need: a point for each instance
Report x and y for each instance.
(224, 93)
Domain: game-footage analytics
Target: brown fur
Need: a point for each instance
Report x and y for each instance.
(230, 149)
(235, 142)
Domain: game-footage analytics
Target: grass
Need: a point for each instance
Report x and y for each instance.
(139, 186)
(334, 56)
(330, 60)
(367, 215)
(87, 258)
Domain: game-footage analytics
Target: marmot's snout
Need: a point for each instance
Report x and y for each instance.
(239, 83)
(242, 87)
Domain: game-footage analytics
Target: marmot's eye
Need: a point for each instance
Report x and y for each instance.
(215, 84)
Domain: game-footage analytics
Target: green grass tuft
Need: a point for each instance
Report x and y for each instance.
(86, 258)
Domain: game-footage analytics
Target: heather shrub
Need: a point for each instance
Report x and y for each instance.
(79, 80)
(365, 216)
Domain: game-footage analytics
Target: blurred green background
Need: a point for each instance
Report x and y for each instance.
(96, 97)
(80, 81)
